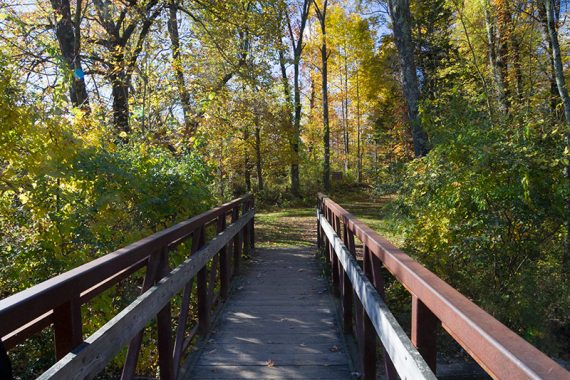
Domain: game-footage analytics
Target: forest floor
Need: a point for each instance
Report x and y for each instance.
(296, 226)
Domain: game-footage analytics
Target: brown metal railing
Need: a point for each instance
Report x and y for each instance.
(58, 300)
(500, 352)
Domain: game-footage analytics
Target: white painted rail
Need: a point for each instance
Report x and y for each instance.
(407, 360)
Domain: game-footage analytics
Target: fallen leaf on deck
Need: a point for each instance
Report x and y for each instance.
(270, 363)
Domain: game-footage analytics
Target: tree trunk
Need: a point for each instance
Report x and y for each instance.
(358, 132)
(68, 36)
(346, 136)
(258, 154)
(496, 60)
(325, 93)
(401, 23)
(120, 91)
(295, 138)
(189, 125)
(246, 165)
(563, 91)
(554, 95)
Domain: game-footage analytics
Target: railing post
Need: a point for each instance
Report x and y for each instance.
(319, 243)
(164, 326)
(236, 242)
(5, 364)
(368, 331)
(202, 294)
(224, 264)
(347, 292)
(135, 344)
(424, 331)
(372, 268)
(67, 326)
(246, 241)
(334, 261)
(252, 228)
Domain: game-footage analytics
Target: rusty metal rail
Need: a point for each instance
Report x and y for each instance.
(500, 352)
(58, 300)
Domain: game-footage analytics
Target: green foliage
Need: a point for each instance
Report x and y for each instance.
(485, 212)
(68, 197)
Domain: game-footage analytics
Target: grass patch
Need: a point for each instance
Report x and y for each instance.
(295, 227)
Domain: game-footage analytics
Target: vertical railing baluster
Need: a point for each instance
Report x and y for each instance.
(135, 345)
(424, 331)
(202, 293)
(245, 231)
(252, 228)
(236, 242)
(374, 274)
(347, 292)
(5, 364)
(68, 327)
(164, 326)
(224, 264)
(184, 309)
(368, 354)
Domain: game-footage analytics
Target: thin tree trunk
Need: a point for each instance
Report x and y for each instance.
(246, 165)
(346, 136)
(554, 95)
(297, 44)
(358, 132)
(68, 36)
(189, 125)
(258, 163)
(401, 23)
(495, 60)
(325, 93)
(563, 91)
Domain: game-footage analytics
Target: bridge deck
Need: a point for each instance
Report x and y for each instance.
(279, 324)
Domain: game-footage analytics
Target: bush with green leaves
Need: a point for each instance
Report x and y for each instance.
(69, 194)
(485, 211)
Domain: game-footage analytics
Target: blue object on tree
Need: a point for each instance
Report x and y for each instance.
(78, 73)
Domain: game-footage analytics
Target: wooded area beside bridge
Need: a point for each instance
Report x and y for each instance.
(119, 119)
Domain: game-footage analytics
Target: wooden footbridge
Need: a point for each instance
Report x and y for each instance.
(212, 317)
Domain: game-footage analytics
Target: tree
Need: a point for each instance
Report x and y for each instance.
(123, 42)
(68, 33)
(321, 15)
(296, 36)
(563, 91)
(189, 122)
(401, 24)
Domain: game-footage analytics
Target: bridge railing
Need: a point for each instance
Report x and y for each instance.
(58, 301)
(498, 350)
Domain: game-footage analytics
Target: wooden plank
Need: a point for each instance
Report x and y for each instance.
(275, 372)
(101, 347)
(284, 316)
(407, 360)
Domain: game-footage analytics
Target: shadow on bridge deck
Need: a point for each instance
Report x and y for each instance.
(279, 324)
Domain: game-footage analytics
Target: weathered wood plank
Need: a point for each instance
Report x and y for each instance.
(279, 324)
(275, 372)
